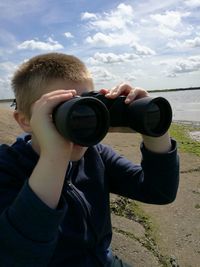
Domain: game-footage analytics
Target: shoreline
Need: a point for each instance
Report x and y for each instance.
(188, 123)
(3, 100)
(193, 134)
(174, 89)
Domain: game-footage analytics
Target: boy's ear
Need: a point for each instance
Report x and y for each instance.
(22, 120)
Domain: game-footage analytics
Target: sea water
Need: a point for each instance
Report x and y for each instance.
(185, 104)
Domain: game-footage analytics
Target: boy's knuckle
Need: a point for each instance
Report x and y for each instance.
(44, 97)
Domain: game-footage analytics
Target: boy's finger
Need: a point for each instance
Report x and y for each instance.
(60, 91)
(131, 96)
(48, 101)
(104, 91)
(56, 99)
(136, 93)
(122, 89)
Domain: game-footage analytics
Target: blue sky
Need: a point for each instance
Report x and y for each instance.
(152, 44)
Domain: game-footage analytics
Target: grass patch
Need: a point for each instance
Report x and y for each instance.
(181, 133)
(197, 206)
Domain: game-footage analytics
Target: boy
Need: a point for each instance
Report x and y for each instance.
(54, 194)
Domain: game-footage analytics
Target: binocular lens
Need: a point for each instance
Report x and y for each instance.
(158, 116)
(150, 116)
(153, 117)
(83, 121)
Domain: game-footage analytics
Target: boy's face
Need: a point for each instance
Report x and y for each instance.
(78, 151)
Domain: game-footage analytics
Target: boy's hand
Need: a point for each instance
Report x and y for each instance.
(160, 144)
(48, 138)
(130, 92)
(48, 176)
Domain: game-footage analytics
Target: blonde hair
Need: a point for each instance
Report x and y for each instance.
(33, 76)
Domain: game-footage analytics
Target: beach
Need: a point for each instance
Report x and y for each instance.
(151, 235)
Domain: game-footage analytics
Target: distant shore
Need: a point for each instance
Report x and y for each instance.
(150, 91)
(192, 123)
(175, 89)
(6, 100)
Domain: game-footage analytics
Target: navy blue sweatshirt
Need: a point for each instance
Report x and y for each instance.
(78, 233)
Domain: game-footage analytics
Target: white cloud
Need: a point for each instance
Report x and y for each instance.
(188, 43)
(129, 77)
(50, 45)
(170, 23)
(114, 28)
(88, 16)
(170, 19)
(110, 58)
(142, 50)
(114, 20)
(174, 44)
(193, 42)
(183, 65)
(68, 35)
(111, 39)
(100, 39)
(192, 3)
(167, 32)
(101, 74)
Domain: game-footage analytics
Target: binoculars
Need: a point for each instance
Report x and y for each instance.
(85, 120)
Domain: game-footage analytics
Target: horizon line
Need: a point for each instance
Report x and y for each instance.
(152, 91)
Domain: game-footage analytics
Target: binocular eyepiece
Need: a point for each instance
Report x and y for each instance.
(86, 120)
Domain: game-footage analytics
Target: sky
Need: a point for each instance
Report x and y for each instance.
(152, 44)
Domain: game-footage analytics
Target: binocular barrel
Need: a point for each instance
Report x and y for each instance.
(86, 120)
(82, 120)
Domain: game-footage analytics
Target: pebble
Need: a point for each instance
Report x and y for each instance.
(195, 135)
(173, 261)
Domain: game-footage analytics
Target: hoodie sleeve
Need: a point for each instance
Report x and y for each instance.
(155, 181)
(28, 229)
